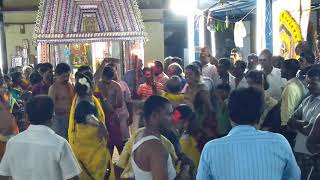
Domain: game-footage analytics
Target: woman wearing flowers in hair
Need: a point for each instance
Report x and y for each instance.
(88, 142)
(83, 81)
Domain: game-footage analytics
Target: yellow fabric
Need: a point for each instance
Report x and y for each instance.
(189, 148)
(175, 99)
(96, 89)
(292, 96)
(124, 159)
(270, 102)
(90, 151)
(290, 33)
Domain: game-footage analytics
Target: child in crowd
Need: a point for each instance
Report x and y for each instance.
(185, 120)
(219, 99)
(173, 89)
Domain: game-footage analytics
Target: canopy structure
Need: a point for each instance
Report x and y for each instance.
(235, 9)
(84, 32)
(70, 21)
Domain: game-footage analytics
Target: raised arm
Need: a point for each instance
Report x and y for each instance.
(159, 88)
(98, 74)
(139, 90)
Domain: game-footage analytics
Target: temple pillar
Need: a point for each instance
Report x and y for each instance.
(3, 49)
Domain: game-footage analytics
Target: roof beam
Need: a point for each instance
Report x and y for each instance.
(8, 10)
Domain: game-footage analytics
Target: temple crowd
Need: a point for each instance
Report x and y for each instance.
(231, 118)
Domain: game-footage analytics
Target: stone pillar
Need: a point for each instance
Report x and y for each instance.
(3, 49)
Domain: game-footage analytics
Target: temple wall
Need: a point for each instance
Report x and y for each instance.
(153, 22)
(13, 21)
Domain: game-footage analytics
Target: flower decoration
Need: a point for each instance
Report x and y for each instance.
(290, 34)
(176, 117)
(83, 81)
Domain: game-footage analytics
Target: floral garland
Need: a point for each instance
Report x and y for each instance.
(176, 117)
(291, 24)
(290, 33)
(286, 42)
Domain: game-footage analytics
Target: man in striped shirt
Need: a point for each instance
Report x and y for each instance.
(150, 87)
(246, 153)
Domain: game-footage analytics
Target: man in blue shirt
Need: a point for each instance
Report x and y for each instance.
(246, 153)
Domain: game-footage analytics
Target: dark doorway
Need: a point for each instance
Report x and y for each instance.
(175, 34)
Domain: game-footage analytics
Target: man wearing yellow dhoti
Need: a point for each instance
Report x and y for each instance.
(89, 141)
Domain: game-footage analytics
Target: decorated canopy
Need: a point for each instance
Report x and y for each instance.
(69, 21)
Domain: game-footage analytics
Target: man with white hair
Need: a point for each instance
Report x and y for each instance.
(273, 75)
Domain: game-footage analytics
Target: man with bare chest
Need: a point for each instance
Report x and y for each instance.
(110, 89)
(112, 98)
(62, 93)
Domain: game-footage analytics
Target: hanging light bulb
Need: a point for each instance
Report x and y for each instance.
(227, 22)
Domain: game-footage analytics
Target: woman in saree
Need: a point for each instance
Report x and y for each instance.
(197, 96)
(89, 143)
